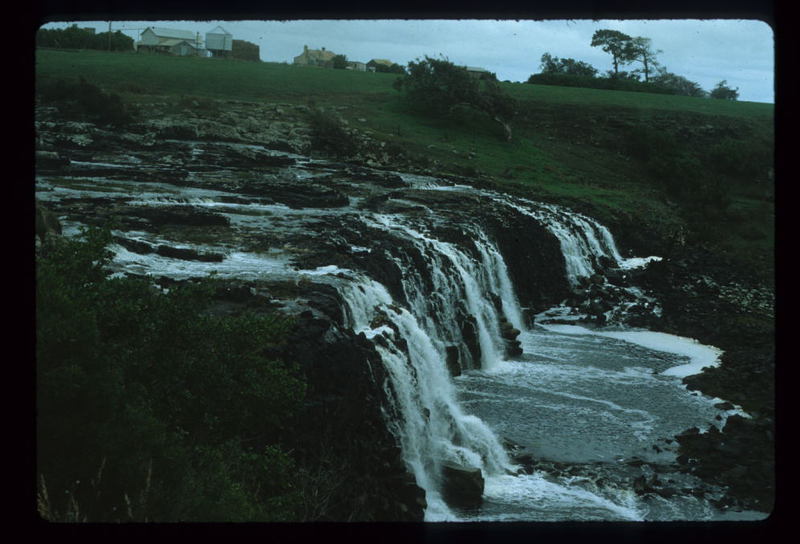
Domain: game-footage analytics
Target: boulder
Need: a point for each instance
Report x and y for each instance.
(462, 486)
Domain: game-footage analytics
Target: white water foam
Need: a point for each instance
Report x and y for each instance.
(700, 355)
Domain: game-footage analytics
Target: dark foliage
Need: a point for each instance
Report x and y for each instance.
(438, 87)
(79, 38)
(329, 135)
(570, 67)
(244, 50)
(86, 101)
(615, 84)
(723, 92)
(150, 408)
(339, 62)
(677, 84)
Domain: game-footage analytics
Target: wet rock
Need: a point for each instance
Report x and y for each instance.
(453, 360)
(136, 246)
(188, 254)
(50, 160)
(462, 486)
(174, 215)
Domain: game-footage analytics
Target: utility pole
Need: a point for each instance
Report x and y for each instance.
(109, 36)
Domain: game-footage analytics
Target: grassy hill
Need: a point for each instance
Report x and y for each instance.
(661, 163)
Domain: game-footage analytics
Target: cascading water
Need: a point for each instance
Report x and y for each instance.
(427, 418)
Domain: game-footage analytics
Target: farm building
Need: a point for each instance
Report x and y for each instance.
(170, 41)
(314, 57)
(357, 66)
(479, 73)
(379, 65)
(219, 42)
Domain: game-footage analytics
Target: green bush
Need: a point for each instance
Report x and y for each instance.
(591, 82)
(329, 135)
(85, 101)
(150, 408)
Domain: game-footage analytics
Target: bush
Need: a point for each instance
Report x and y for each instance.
(151, 409)
(329, 135)
(615, 84)
(86, 101)
(438, 87)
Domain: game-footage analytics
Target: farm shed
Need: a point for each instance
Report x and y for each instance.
(170, 41)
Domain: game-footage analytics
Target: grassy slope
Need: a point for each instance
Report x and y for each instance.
(569, 143)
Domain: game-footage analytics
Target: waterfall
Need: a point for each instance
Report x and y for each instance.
(426, 417)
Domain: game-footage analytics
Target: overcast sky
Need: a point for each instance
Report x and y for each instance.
(705, 51)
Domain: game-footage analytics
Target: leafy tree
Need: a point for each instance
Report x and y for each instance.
(617, 43)
(244, 50)
(339, 62)
(677, 84)
(723, 92)
(439, 87)
(642, 51)
(555, 65)
(623, 75)
(73, 37)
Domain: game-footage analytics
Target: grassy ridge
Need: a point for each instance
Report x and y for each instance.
(660, 161)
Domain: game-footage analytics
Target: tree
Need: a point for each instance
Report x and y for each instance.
(642, 51)
(722, 91)
(339, 62)
(439, 86)
(572, 67)
(618, 44)
(677, 84)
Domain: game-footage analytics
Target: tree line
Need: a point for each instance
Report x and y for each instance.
(73, 37)
(625, 50)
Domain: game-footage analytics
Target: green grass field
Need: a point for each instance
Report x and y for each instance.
(607, 150)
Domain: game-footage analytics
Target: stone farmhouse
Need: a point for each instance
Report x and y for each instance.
(314, 57)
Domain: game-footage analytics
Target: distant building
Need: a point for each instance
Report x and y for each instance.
(357, 66)
(379, 65)
(170, 41)
(479, 73)
(315, 57)
(219, 42)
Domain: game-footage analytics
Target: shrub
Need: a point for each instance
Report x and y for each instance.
(329, 135)
(148, 407)
(608, 83)
(87, 101)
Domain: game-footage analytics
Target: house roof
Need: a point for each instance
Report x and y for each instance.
(320, 54)
(221, 31)
(173, 33)
(169, 42)
(476, 69)
(382, 61)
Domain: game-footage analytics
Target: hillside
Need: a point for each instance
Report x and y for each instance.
(691, 168)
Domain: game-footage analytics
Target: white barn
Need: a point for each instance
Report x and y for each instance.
(170, 41)
(219, 42)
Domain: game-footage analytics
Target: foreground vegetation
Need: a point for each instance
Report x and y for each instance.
(150, 408)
